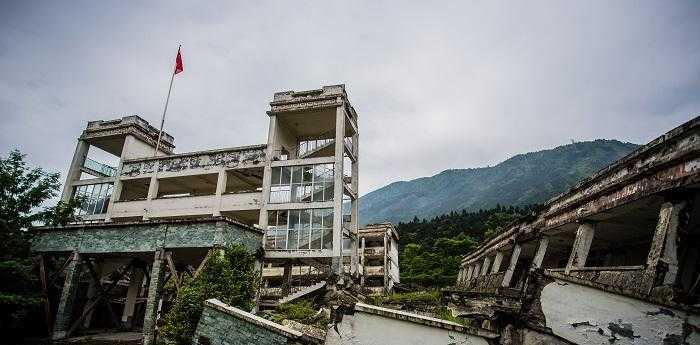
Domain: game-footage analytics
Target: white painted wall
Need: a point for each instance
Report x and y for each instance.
(585, 315)
(369, 329)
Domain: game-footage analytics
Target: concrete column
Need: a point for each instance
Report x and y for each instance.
(135, 280)
(486, 266)
(477, 268)
(470, 271)
(497, 262)
(92, 291)
(156, 280)
(152, 191)
(662, 260)
(337, 259)
(79, 156)
(68, 295)
(511, 266)
(354, 203)
(267, 176)
(362, 262)
(220, 188)
(541, 251)
(582, 245)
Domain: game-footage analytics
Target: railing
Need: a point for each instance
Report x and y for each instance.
(100, 168)
(297, 283)
(374, 251)
(186, 205)
(617, 278)
(374, 270)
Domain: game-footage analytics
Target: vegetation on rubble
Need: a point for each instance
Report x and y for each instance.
(229, 276)
(523, 179)
(416, 297)
(23, 191)
(302, 311)
(430, 250)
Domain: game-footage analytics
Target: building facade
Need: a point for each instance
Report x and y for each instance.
(613, 260)
(379, 257)
(157, 212)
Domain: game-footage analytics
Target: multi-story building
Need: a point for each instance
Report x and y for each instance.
(286, 196)
(613, 260)
(378, 267)
(379, 257)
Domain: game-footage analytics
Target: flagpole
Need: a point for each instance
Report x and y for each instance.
(167, 100)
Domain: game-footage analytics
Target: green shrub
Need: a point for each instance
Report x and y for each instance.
(229, 276)
(301, 311)
(430, 297)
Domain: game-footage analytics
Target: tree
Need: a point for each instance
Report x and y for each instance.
(229, 276)
(23, 191)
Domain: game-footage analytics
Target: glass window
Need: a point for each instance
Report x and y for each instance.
(300, 229)
(275, 176)
(302, 183)
(286, 175)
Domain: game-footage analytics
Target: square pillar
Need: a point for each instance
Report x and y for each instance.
(582, 245)
(477, 267)
(486, 266)
(152, 191)
(662, 260)
(74, 171)
(156, 280)
(337, 259)
(541, 251)
(497, 262)
(220, 188)
(470, 271)
(135, 280)
(68, 295)
(92, 291)
(511, 266)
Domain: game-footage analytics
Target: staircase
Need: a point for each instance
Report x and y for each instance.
(327, 149)
(301, 292)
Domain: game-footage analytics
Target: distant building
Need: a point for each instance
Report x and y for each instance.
(379, 257)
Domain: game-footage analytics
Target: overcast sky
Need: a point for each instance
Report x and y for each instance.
(436, 86)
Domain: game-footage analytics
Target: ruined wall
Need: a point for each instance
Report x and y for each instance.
(208, 160)
(224, 325)
(586, 315)
(145, 237)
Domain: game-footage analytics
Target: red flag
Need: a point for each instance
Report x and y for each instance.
(178, 62)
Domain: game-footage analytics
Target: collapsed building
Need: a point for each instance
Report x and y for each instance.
(157, 215)
(616, 259)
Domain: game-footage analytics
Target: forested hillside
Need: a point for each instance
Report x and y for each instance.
(430, 250)
(524, 179)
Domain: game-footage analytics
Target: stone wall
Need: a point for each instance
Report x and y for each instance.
(221, 324)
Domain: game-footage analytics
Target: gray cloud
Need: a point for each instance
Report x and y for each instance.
(436, 86)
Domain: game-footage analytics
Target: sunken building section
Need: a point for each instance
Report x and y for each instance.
(615, 260)
(150, 216)
(379, 257)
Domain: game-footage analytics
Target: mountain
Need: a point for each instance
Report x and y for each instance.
(524, 179)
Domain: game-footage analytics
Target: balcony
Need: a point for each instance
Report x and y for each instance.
(374, 251)
(374, 270)
(186, 205)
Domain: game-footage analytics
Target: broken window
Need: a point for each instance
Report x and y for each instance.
(308, 183)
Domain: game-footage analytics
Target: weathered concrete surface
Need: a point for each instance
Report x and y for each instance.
(222, 324)
(585, 315)
(236, 157)
(371, 325)
(146, 236)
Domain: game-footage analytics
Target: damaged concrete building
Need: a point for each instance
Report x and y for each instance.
(615, 260)
(157, 215)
